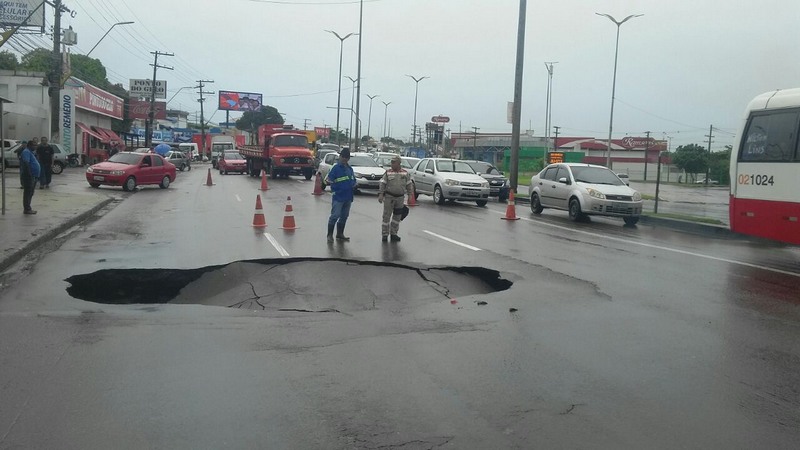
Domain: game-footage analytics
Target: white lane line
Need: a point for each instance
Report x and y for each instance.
(275, 244)
(658, 247)
(452, 241)
(238, 199)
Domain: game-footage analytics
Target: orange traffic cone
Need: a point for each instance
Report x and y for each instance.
(511, 210)
(208, 179)
(318, 185)
(412, 197)
(288, 217)
(264, 186)
(259, 221)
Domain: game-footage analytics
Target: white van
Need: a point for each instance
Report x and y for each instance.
(191, 150)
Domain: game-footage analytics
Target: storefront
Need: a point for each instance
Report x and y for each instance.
(86, 113)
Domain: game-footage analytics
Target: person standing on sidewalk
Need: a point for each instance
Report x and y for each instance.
(29, 170)
(342, 181)
(45, 154)
(396, 182)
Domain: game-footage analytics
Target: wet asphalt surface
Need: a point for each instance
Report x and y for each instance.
(609, 336)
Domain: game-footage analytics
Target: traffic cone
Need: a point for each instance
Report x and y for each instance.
(288, 217)
(412, 200)
(318, 185)
(511, 210)
(259, 221)
(208, 179)
(264, 186)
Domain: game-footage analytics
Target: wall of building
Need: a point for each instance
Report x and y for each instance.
(27, 115)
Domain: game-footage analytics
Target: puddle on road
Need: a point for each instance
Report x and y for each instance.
(293, 284)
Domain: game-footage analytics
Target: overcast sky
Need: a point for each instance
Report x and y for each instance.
(683, 66)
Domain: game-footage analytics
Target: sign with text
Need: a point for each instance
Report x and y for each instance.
(67, 120)
(440, 119)
(26, 13)
(96, 100)
(139, 109)
(239, 101)
(323, 132)
(143, 88)
(555, 157)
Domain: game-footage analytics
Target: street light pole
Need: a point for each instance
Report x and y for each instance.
(104, 36)
(614, 81)
(416, 92)
(339, 95)
(352, 102)
(178, 92)
(385, 113)
(369, 119)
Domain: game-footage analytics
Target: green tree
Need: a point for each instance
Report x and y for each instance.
(91, 71)
(38, 60)
(8, 60)
(691, 158)
(251, 120)
(719, 166)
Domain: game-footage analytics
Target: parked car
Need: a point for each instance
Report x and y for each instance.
(625, 178)
(231, 162)
(449, 179)
(498, 183)
(703, 181)
(323, 150)
(179, 159)
(325, 165)
(584, 190)
(129, 169)
(368, 173)
(59, 158)
(10, 156)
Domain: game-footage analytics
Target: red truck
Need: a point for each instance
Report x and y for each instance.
(283, 151)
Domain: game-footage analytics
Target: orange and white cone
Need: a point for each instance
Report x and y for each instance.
(208, 179)
(264, 186)
(288, 217)
(259, 221)
(318, 185)
(511, 210)
(412, 197)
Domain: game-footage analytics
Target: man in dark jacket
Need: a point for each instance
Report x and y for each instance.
(342, 180)
(44, 152)
(30, 171)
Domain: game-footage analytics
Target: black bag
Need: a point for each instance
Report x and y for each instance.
(405, 212)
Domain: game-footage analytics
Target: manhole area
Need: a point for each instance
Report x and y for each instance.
(313, 285)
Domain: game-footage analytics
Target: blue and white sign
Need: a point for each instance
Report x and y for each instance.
(67, 120)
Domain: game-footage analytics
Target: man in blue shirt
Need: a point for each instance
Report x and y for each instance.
(29, 170)
(342, 181)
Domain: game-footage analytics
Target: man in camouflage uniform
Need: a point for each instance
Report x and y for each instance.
(396, 182)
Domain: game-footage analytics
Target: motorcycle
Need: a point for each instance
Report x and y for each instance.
(73, 160)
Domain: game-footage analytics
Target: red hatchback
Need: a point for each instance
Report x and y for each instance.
(231, 162)
(129, 170)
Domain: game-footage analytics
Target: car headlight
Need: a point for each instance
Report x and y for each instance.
(637, 197)
(117, 172)
(596, 194)
(358, 175)
(450, 182)
(89, 169)
(485, 184)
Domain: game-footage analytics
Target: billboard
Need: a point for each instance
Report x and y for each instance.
(139, 109)
(67, 120)
(143, 88)
(239, 101)
(15, 13)
(323, 132)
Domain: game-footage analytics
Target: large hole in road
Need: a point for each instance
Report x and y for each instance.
(292, 284)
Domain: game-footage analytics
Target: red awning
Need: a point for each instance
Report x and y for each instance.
(111, 137)
(92, 133)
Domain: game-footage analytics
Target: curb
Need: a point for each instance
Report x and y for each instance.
(13, 258)
(708, 229)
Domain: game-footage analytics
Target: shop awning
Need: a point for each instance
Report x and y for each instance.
(111, 137)
(92, 133)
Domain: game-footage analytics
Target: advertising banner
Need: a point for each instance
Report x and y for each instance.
(139, 109)
(96, 100)
(67, 120)
(323, 132)
(239, 101)
(143, 88)
(15, 12)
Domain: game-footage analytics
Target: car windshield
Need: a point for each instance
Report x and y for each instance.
(408, 163)
(482, 167)
(290, 140)
(233, 155)
(595, 175)
(363, 161)
(448, 165)
(126, 158)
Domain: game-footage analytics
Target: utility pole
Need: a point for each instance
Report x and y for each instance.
(555, 141)
(200, 86)
(547, 119)
(517, 107)
(646, 148)
(708, 164)
(474, 141)
(55, 70)
(305, 124)
(148, 127)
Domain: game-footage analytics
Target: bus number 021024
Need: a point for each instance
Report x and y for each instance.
(757, 180)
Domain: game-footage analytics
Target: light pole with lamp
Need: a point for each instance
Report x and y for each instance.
(614, 81)
(104, 36)
(369, 119)
(416, 92)
(385, 113)
(339, 96)
(352, 102)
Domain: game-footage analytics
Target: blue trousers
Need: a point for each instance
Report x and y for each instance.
(340, 211)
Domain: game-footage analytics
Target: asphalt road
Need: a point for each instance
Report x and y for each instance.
(609, 336)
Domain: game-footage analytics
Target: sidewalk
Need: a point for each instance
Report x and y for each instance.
(67, 203)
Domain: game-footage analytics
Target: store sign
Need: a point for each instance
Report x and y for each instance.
(96, 100)
(140, 109)
(555, 157)
(143, 88)
(323, 132)
(440, 119)
(67, 120)
(26, 13)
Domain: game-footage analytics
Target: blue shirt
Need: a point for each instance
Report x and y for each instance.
(342, 181)
(27, 157)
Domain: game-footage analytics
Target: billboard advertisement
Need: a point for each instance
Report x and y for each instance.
(139, 109)
(323, 132)
(94, 99)
(239, 101)
(67, 120)
(143, 88)
(19, 12)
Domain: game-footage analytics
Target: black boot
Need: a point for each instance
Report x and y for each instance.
(340, 232)
(330, 233)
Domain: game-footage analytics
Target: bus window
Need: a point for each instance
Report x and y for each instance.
(771, 137)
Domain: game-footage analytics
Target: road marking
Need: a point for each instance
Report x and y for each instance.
(275, 244)
(238, 199)
(452, 241)
(658, 247)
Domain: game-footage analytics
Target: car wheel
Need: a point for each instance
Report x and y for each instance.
(94, 185)
(58, 167)
(226, 172)
(189, 167)
(480, 202)
(182, 167)
(575, 212)
(130, 184)
(438, 197)
(536, 204)
(631, 220)
(164, 182)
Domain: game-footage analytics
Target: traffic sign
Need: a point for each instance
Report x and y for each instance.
(440, 119)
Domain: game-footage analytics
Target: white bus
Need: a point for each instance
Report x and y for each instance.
(765, 168)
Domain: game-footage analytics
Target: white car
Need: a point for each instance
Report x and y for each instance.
(583, 190)
(449, 179)
(368, 172)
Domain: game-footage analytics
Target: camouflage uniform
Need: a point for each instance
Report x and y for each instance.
(393, 187)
